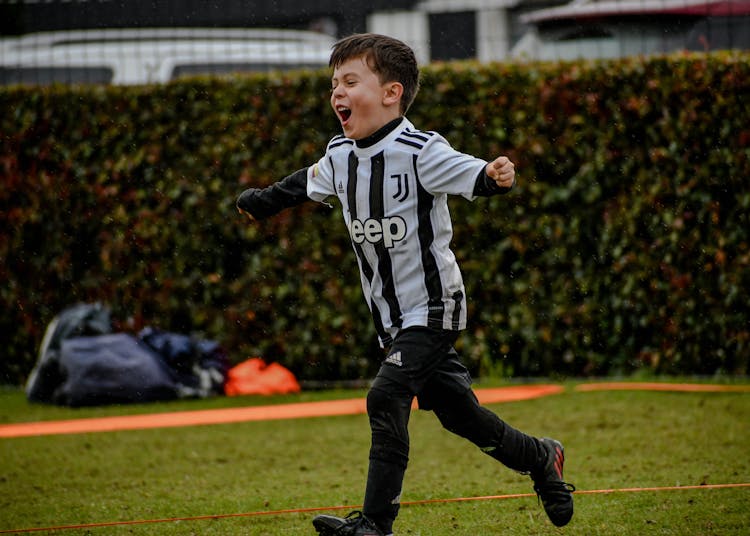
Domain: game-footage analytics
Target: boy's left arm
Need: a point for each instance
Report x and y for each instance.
(497, 177)
(261, 203)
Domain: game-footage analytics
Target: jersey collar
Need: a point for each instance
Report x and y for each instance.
(375, 143)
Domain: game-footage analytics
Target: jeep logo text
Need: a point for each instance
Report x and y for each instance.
(387, 230)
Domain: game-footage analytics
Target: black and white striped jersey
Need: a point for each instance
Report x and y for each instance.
(394, 200)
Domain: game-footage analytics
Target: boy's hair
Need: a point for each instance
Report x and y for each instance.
(390, 59)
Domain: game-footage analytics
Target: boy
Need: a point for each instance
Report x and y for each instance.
(392, 181)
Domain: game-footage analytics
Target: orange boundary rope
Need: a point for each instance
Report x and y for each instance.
(351, 406)
(660, 386)
(354, 507)
(319, 409)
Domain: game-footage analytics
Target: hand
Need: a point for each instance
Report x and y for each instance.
(502, 171)
(250, 216)
(246, 200)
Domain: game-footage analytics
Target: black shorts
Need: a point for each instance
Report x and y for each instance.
(423, 361)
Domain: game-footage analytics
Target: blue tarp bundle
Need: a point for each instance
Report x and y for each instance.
(82, 363)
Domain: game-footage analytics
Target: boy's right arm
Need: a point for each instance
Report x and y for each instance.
(261, 203)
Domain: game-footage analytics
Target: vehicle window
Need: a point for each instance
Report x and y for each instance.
(51, 75)
(190, 69)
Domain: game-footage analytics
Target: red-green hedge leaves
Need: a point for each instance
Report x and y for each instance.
(625, 245)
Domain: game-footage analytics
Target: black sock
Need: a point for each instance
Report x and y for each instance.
(513, 448)
(383, 493)
(518, 451)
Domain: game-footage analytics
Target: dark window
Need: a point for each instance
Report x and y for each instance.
(718, 33)
(586, 32)
(191, 69)
(453, 36)
(51, 75)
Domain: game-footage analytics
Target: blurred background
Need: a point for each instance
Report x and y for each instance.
(142, 41)
(627, 250)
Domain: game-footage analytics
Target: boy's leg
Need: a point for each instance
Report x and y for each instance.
(415, 354)
(388, 408)
(462, 414)
(448, 394)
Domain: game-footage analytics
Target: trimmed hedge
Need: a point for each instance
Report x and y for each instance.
(625, 246)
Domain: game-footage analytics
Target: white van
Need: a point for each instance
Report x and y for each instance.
(155, 55)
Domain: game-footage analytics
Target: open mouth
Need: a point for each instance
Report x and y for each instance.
(344, 113)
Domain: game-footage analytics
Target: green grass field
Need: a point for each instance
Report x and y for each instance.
(614, 440)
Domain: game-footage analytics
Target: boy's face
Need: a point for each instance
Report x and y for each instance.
(360, 101)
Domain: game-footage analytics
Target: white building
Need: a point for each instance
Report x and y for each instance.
(148, 43)
(616, 28)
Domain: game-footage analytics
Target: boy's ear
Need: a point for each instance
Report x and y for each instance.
(393, 93)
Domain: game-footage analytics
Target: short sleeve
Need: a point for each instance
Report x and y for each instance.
(320, 180)
(443, 170)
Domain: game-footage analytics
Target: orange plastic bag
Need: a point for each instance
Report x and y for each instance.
(255, 377)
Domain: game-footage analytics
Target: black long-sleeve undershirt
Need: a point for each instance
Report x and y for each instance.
(486, 186)
(291, 191)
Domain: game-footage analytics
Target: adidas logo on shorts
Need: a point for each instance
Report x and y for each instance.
(394, 359)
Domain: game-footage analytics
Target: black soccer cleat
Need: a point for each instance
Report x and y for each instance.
(354, 524)
(555, 494)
